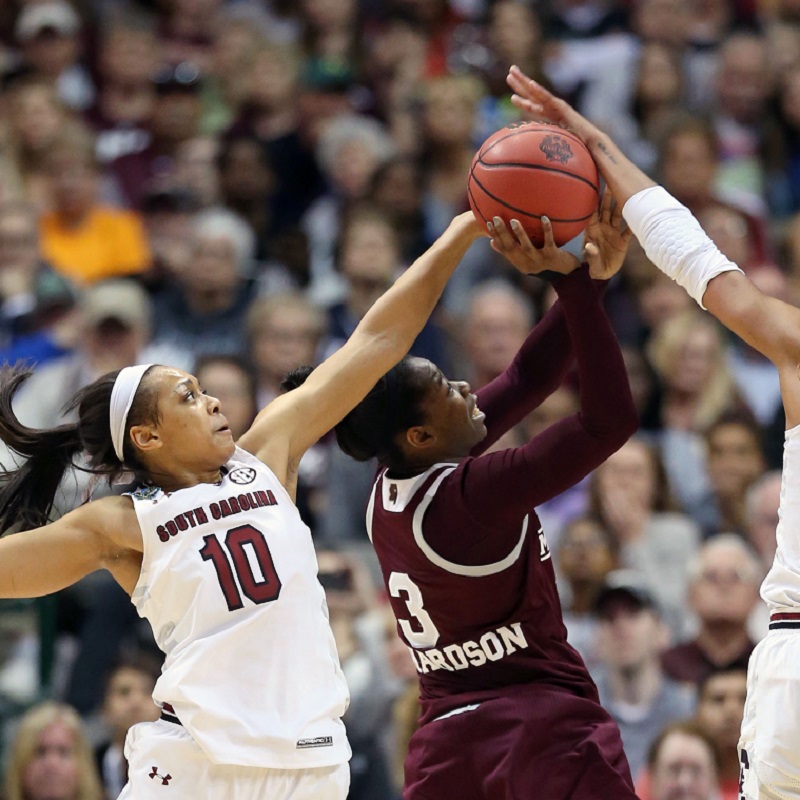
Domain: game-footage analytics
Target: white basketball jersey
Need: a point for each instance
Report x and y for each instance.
(781, 588)
(229, 584)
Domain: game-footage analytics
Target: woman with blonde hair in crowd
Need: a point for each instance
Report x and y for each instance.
(697, 387)
(35, 120)
(51, 758)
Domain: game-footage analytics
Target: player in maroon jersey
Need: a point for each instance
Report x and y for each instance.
(508, 707)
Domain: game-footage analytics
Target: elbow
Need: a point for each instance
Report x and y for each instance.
(616, 430)
(626, 425)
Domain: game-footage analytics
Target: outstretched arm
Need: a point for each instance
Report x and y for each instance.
(103, 534)
(289, 425)
(675, 243)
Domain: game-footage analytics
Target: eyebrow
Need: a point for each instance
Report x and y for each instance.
(185, 383)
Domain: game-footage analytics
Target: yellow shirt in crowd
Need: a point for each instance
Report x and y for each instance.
(108, 243)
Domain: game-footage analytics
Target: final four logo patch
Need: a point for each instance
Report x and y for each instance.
(556, 149)
(242, 475)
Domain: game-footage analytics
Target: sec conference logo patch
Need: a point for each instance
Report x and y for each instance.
(242, 475)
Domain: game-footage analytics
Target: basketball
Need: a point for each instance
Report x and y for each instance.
(533, 169)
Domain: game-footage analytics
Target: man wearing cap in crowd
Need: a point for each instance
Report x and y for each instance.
(116, 324)
(48, 34)
(632, 686)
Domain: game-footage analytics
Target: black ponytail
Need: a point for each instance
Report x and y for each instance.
(27, 491)
(392, 406)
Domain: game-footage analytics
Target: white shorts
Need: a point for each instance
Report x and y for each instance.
(161, 754)
(769, 746)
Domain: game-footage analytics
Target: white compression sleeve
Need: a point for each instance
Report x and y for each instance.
(674, 241)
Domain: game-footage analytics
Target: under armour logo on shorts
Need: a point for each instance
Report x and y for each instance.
(165, 779)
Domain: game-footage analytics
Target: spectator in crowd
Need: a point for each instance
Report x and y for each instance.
(658, 97)
(743, 118)
(196, 171)
(369, 260)
(116, 322)
(49, 35)
(34, 297)
(498, 319)
(127, 700)
(247, 182)
(449, 109)
(51, 758)
(683, 763)
(188, 30)
(630, 680)
(271, 112)
(688, 160)
(359, 631)
(233, 382)
(330, 38)
(167, 216)
(36, 121)
(735, 460)
(723, 591)
(720, 708)
(128, 51)
(514, 36)
(284, 331)
(239, 38)
(688, 355)
(175, 119)
(761, 508)
(85, 240)
(586, 554)
(350, 150)
(786, 166)
(630, 496)
(203, 310)
(397, 191)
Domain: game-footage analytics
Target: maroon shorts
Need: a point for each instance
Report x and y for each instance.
(532, 743)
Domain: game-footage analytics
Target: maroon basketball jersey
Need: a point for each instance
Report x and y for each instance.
(470, 627)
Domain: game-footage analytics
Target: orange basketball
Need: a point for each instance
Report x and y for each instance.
(533, 169)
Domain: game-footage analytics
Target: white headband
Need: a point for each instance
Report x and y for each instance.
(122, 395)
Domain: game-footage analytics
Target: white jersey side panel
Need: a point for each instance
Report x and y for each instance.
(781, 588)
(229, 585)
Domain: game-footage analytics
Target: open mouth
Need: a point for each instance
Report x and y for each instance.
(477, 414)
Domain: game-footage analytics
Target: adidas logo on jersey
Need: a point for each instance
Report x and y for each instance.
(316, 741)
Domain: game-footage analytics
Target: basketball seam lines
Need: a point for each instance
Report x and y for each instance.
(523, 165)
(519, 210)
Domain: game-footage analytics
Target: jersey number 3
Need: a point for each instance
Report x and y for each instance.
(246, 568)
(420, 631)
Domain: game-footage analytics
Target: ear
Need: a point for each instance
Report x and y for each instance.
(145, 437)
(419, 437)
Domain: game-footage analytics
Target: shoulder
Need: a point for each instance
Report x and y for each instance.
(114, 518)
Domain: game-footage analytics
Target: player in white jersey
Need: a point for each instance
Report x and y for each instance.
(769, 745)
(214, 553)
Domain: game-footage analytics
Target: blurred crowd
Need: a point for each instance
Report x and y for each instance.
(228, 185)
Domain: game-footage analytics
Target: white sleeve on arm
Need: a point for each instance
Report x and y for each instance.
(674, 241)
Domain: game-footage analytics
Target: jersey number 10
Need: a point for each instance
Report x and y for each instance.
(262, 588)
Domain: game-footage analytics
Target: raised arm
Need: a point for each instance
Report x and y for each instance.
(675, 243)
(289, 425)
(544, 358)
